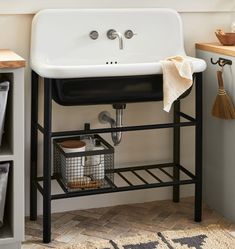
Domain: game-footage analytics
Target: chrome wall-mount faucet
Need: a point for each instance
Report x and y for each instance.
(113, 34)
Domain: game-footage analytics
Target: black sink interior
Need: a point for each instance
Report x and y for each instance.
(108, 90)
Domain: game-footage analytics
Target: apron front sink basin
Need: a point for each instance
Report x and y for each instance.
(62, 50)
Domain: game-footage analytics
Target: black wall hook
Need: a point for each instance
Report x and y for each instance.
(221, 62)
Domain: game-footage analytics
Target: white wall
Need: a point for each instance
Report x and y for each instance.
(29, 6)
(136, 148)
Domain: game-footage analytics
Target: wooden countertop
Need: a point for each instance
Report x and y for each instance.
(217, 48)
(9, 59)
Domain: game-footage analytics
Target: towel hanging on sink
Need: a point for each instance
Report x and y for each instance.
(177, 78)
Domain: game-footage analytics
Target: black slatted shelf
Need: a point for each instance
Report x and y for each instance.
(129, 184)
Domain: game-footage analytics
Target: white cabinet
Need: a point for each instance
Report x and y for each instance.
(12, 150)
(219, 135)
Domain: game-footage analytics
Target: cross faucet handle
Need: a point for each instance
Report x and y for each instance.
(129, 34)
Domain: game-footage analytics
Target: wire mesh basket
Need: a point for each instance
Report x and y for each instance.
(84, 162)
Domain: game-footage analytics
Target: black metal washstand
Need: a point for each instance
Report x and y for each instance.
(55, 88)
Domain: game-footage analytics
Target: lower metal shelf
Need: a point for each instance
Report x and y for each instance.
(147, 176)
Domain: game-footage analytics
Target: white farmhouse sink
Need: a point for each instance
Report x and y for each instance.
(61, 46)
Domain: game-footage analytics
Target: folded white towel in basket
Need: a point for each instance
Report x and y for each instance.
(177, 78)
(4, 88)
(4, 170)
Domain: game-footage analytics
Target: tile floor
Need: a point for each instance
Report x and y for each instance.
(120, 221)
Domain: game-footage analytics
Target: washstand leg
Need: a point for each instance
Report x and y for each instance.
(47, 161)
(34, 146)
(198, 149)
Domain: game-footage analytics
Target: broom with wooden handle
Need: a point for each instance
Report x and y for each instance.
(223, 107)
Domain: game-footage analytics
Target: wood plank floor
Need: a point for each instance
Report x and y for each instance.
(120, 221)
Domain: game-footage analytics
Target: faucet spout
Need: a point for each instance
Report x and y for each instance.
(113, 34)
(120, 38)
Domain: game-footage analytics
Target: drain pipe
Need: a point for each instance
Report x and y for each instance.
(105, 117)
